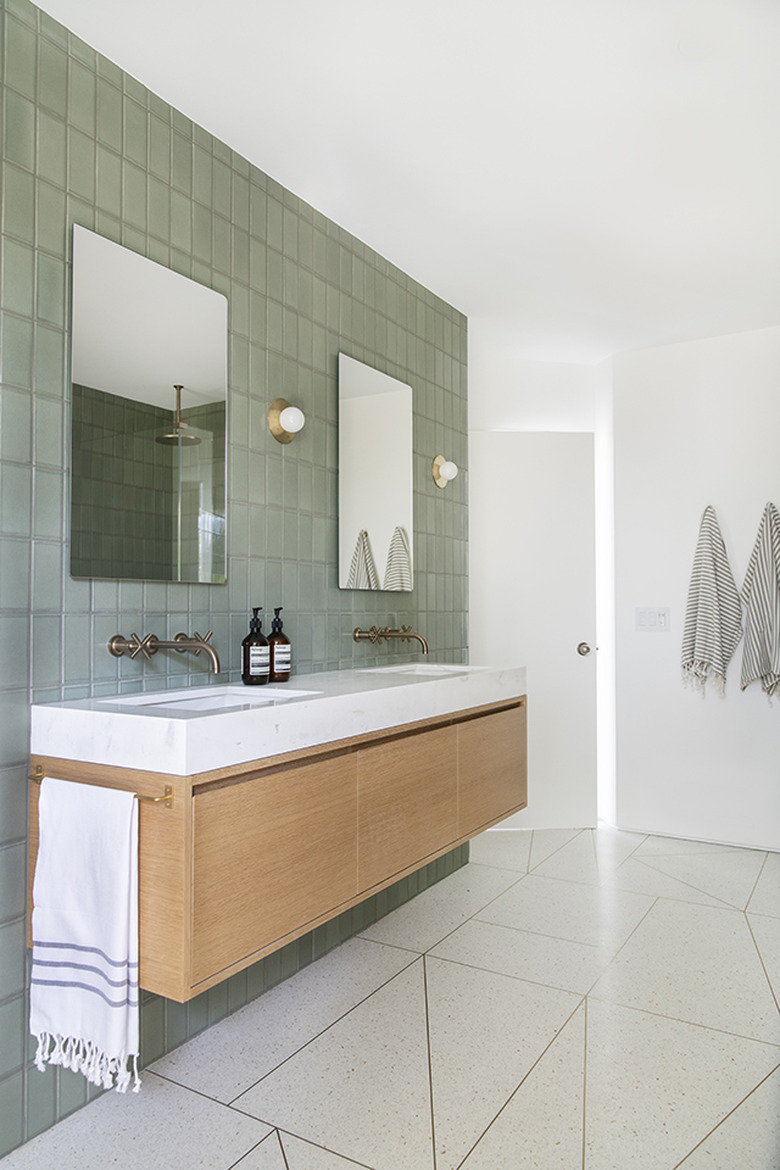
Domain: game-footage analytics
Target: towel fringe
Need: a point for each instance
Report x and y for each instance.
(82, 1056)
(696, 674)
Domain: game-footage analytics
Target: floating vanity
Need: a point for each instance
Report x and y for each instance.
(288, 804)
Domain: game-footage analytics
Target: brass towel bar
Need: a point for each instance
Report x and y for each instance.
(166, 799)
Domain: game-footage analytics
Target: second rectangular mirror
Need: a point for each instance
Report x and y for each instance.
(375, 479)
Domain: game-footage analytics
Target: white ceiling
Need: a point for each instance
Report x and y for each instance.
(583, 176)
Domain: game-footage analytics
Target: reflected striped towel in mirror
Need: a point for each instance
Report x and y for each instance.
(84, 985)
(398, 570)
(713, 616)
(362, 571)
(761, 595)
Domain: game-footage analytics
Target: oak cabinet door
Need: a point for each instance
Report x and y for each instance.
(492, 768)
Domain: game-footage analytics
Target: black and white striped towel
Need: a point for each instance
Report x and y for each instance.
(761, 595)
(713, 616)
(398, 570)
(84, 986)
(362, 571)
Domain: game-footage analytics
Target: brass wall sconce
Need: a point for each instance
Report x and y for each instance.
(284, 421)
(443, 471)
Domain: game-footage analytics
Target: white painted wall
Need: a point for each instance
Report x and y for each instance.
(694, 424)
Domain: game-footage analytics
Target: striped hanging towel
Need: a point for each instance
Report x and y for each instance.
(713, 617)
(84, 986)
(362, 572)
(761, 595)
(398, 570)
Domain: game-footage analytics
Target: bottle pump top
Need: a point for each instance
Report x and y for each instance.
(276, 624)
(256, 624)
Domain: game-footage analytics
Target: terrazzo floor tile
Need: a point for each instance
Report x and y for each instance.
(303, 1155)
(653, 845)
(502, 848)
(132, 1129)
(361, 1089)
(555, 962)
(698, 964)
(267, 1156)
(547, 841)
(730, 876)
(597, 915)
(487, 1031)
(749, 1138)
(640, 877)
(226, 1060)
(655, 1085)
(541, 1125)
(766, 934)
(590, 856)
(766, 896)
(428, 918)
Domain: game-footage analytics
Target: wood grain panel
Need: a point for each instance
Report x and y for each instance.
(492, 768)
(407, 800)
(271, 854)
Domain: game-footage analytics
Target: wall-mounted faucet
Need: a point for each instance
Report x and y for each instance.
(374, 635)
(150, 644)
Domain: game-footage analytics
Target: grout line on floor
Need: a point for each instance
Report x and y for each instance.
(430, 1060)
(630, 1007)
(585, 1087)
(725, 1119)
(761, 960)
(758, 879)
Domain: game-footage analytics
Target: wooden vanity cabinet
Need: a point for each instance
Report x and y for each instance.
(252, 857)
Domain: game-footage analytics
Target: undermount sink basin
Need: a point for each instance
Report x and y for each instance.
(432, 669)
(210, 698)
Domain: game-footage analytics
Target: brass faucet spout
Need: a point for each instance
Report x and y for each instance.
(384, 633)
(150, 644)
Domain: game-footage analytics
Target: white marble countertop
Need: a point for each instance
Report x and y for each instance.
(184, 732)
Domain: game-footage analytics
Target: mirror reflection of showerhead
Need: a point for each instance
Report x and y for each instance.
(180, 435)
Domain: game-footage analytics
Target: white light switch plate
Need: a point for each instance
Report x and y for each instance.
(652, 620)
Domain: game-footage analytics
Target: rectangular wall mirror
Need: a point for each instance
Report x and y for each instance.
(375, 479)
(148, 419)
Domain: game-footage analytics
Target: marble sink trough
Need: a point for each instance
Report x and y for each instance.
(189, 731)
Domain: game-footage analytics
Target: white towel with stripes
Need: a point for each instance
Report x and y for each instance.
(362, 571)
(398, 570)
(713, 617)
(84, 986)
(761, 596)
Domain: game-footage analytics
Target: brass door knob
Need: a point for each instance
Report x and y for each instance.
(583, 649)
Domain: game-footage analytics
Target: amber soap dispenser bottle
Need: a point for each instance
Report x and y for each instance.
(281, 650)
(255, 653)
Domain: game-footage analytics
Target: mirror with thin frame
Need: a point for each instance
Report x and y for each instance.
(375, 479)
(148, 419)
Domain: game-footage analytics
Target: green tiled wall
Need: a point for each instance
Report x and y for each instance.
(85, 143)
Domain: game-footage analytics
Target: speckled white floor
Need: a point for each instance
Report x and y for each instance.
(571, 1000)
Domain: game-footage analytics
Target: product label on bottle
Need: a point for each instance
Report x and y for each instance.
(282, 657)
(259, 659)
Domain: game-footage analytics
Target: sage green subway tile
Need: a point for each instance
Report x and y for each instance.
(19, 130)
(50, 375)
(152, 1026)
(109, 180)
(81, 165)
(15, 424)
(50, 291)
(47, 503)
(182, 164)
(221, 188)
(181, 221)
(81, 97)
(19, 64)
(13, 883)
(15, 660)
(11, 1113)
(72, 1091)
(109, 114)
(47, 576)
(160, 148)
(16, 335)
(240, 255)
(76, 657)
(135, 127)
(52, 136)
(15, 499)
(15, 575)
(18, 203)
(202, 171)
(134, 192)
(159, 211)
(46, 650)
(51, 228)
(41, 1100)
(238, 362)
(221, 244)
(13, 810)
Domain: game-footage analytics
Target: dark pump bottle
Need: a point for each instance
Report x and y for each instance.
(255, 653)
(281, 650)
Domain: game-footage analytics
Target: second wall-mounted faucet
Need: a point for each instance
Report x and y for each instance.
(374, 635)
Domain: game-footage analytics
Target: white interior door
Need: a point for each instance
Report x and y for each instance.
(533, 604)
